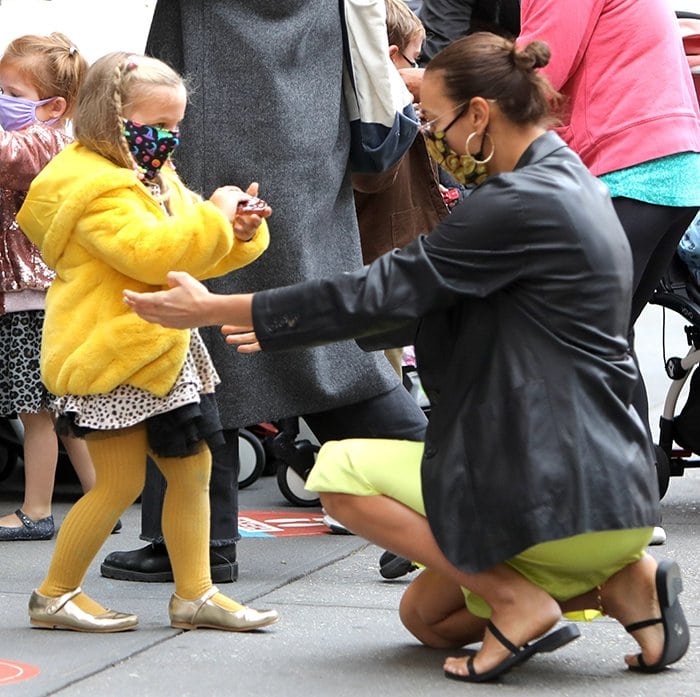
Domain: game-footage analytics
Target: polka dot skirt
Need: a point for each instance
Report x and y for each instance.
(127, 405)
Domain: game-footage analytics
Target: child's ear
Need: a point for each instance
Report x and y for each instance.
(394, 55)
(55, 109)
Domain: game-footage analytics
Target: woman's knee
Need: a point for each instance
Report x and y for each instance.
(434, 611)
(415, 621)
(337, 505)
(410, 616)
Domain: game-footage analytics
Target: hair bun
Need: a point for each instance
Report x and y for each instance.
(535, 55)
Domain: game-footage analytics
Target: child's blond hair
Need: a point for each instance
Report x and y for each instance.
(52, 64)
(113, 83)
(402, 24)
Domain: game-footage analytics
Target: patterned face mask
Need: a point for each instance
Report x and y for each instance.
(463, 168)
(150, 146)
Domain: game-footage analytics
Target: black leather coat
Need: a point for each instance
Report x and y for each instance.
(518, 304)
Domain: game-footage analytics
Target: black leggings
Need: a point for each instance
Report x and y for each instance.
(653, 233)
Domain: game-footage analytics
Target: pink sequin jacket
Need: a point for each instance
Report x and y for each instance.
(22, 156)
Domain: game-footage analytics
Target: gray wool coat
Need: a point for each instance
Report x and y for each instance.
(265, 105)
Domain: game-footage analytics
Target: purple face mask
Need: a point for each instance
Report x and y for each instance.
(16, 112)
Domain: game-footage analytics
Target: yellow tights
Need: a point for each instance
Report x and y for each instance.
(120, 468)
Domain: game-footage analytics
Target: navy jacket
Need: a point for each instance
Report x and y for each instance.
(518, 304)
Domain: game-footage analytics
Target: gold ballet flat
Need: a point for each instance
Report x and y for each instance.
(63, 613)
(204, 612)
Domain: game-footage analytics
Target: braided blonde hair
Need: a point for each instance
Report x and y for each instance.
(113, 83)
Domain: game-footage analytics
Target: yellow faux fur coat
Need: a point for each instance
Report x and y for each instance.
(101, 231)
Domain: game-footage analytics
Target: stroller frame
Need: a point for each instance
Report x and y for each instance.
(678, 292)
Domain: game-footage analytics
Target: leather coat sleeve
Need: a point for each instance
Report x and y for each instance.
(473, 252)
(381, 298)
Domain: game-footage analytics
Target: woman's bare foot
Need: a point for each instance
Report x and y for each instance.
(527, 616)
(630, 596)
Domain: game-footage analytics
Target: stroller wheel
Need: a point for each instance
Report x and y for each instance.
(663, 470)
(292, 487)
(251, 455)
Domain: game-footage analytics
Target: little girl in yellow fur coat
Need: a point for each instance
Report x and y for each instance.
(109, 212)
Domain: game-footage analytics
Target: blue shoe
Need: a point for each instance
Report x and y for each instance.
(43, 529)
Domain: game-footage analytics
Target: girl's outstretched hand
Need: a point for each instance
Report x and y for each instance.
(250, 214)
(243, 337)
(242, 208)
(181, 307)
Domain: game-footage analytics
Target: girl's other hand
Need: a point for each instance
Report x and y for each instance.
(231, 201)
(248, 221)
(227, 198)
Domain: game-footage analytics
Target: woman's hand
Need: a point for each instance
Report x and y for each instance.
(228, 200)
(243, 337)
(181, 307)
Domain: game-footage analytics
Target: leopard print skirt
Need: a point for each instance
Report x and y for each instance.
(21, 389)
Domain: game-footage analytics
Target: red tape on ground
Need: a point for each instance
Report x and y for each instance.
(11, 671)
(280, 524)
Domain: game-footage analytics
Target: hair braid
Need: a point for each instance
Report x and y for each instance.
(120, 74)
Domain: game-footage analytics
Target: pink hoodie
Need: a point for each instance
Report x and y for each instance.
(622, 68)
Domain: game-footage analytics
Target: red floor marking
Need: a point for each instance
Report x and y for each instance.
(280, 524)
(11, 671)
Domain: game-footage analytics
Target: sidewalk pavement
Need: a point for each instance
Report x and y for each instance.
(339, 632)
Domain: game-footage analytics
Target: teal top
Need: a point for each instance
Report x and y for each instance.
(673, 180)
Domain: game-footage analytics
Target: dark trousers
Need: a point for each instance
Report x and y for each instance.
(653, 233)
(394, 414)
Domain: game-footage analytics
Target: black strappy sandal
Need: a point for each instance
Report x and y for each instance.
(669, 586)
(550, 642)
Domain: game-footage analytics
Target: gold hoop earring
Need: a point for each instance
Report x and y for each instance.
(486, 159)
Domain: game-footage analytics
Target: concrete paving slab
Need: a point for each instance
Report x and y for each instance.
(357, 646)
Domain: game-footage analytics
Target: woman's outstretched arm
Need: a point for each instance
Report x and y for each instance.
(188, 303)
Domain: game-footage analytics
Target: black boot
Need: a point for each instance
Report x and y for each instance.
(393, 566)
(151, 564)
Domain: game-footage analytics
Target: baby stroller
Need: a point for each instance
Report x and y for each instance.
(290, 446)
(679, 435)
(289, 449)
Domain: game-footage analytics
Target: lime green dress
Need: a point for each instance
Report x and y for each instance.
(564, 568)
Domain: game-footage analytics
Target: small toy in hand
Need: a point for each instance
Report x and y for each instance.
(252, 206)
